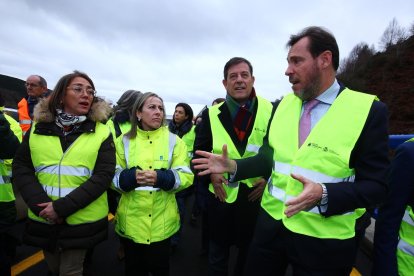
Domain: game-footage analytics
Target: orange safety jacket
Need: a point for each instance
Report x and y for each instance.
(24, 118)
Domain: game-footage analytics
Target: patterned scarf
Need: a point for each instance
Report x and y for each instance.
(68, 122)
(241, 114)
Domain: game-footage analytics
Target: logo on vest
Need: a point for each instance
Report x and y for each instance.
(323, 148)
(260, 130)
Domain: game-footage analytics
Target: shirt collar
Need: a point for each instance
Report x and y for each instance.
(330, 94)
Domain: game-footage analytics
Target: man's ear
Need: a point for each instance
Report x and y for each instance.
(326, 59)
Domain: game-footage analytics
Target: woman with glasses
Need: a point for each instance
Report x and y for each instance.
(63, 169)
(152, 165)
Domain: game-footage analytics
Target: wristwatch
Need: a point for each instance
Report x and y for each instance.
(324, 198)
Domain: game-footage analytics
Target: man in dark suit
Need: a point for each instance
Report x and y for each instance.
(241, 123)
(394, 227)
(327, 147)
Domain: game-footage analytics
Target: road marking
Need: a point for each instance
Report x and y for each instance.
(38, 257)
(26, 263)
(355, 272)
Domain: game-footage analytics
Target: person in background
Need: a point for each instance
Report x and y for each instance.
(241, 122)
(201, 194)
(10, 138)
(328, 164)
(36, 87)
(152, 165)
(217, 101)
(182, 125)
(63, 168)
(394, 226)
(120, 123)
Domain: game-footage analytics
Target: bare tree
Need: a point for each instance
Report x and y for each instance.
(392, 35)
(359, 56)
(412, 29)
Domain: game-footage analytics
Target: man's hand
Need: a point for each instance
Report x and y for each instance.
(258, 188)
(307, 199)
(214, 163)
(217, 180)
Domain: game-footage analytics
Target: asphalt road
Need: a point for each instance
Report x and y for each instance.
(186, 259)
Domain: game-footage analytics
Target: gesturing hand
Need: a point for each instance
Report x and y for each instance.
(307, 199)
(214, 163)
(258, 189)
(217, 180)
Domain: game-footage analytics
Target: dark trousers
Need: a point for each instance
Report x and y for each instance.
(274, 247)
(205, 239)
(230, 224)
(5, 255)
(142, 259)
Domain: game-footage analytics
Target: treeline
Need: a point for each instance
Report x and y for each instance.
(387, 73)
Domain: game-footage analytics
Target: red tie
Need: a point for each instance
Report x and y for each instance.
(305, 120)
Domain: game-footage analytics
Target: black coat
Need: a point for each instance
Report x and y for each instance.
(63, 235)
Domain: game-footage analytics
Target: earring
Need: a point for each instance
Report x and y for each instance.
(139, 119)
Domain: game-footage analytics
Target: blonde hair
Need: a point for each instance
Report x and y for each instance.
(138, 105)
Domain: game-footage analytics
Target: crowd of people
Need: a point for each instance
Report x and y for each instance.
(289, 182)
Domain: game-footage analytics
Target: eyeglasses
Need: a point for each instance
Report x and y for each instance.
(27, 84)
(79, 89)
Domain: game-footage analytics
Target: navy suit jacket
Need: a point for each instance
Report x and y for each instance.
(401, 180)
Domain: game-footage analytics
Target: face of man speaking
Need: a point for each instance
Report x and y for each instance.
(304, 71)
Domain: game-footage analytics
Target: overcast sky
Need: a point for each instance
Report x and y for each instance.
(177, 48)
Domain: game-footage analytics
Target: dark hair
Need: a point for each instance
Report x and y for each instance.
(138, 105)
(235, 61)
(126, 101)
(56, 97)
(321, 40)
(188, 111)
(218, 100)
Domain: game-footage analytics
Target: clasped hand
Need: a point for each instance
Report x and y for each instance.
(146, 177)
(49, 213)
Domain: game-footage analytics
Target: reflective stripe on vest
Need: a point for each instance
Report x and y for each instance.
(148, 214)
(405, 249)
(64, 170)
(60, 173)
(254, 141)
(323, 157)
